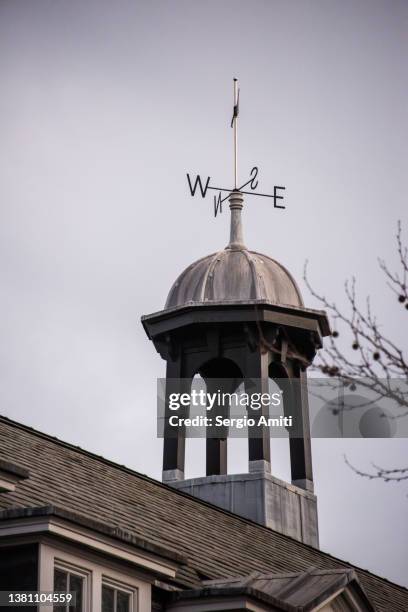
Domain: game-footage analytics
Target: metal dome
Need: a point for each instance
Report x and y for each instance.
(235, 274)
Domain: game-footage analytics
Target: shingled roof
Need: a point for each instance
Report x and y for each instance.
(214, 543)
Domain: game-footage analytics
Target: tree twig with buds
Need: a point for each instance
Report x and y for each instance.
(376, 361)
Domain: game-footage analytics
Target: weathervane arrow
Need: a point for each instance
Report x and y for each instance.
(252, 182)
(236, 103)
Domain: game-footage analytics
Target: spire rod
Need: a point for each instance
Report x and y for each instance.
(236, 201)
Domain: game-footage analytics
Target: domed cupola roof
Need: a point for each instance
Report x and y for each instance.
(235, 274)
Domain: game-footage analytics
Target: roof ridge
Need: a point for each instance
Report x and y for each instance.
(208, 274)
(197, 500)
(290, 587)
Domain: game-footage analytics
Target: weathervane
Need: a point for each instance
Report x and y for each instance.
(252, 182)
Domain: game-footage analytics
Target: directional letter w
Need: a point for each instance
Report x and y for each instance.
(198, 182)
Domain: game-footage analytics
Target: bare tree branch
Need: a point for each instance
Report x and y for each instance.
(393, 475)
(377, 361)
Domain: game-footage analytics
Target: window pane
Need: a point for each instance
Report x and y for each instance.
(108, 598)
(76, 586)
(123, 602)
(60, 580)
(60, 584)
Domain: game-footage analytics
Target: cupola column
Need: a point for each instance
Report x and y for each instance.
(174, 438)
(300, 442)
(256, 374)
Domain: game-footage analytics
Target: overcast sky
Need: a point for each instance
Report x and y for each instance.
(104, 107)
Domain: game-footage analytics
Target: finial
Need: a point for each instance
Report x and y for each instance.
(236, 205)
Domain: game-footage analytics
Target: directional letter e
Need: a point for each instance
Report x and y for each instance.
(277, 197)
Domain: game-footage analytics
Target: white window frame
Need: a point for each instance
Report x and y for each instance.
(125, 588)
(77, 571)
